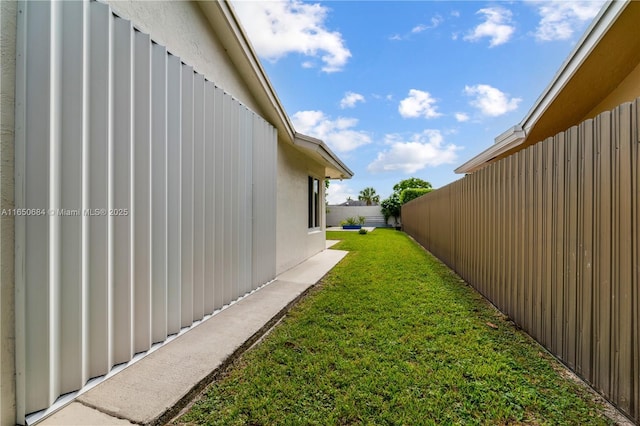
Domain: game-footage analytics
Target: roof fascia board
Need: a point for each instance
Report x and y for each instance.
(318, 146)
(481, 160)
(517, 134)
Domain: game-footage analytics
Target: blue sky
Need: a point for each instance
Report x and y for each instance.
(410, 88)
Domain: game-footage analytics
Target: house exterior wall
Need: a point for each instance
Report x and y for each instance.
(108, 120)
(294, 168)
(8, 13)
(182, 28)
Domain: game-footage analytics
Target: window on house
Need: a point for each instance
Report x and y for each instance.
(314, 202)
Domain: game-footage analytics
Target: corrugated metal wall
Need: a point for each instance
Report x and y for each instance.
(551, 236)
(150, 197)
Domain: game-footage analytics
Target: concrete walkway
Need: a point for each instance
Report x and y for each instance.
(154, 389)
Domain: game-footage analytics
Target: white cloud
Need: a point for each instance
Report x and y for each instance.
(421, 150)
(419, 28)
(277, 28)
(491, 101)
(559, 19)
(338, 134)
(339, 192)
(350, 100)
(497, 26)
(418, 104)
(435, 22)
(461, 117)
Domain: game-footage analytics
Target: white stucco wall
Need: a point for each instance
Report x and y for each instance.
(185, 31)
(339, 213)
(8, 10)
(294, 241)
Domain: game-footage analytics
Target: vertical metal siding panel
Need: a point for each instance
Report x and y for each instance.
(272, 179)
(496, 254)
(210, 199)
(483, 236)
(159, 190)
(226, 191)
(121, 177)
(266, 204)
(174, 194)
(72, 367)
(219, 142)
(187, 197)
(247, 207)
(32, 262)
(257, 153)
(586, 303)
(624, 267)
(500, 225)
(99, 161)
(558, 244)
(198, 196)
(21, 302)
(547, 266)
(538, 240)
(515, 237)
(227, 195)
(234, 198)
(529, 259)
(635, 167)
(495, 227)
(635, 278)
(604, 253)
(520, 236)
(523, 237)
(571, 249)
(239, 176)
(243, 192)
(615, 256)
(250, 201)
(55, 189)
(141, 170)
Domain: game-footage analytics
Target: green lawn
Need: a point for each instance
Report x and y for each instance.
(391, 336)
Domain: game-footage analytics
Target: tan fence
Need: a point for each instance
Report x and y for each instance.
(551, 236)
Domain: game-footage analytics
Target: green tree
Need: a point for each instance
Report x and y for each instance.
(411, 183)
(369, 196)
(391, 207)
(411, 193)
(403, 191)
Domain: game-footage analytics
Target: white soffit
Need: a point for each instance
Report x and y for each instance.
(335, 169)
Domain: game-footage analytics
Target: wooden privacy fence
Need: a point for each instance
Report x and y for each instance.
(550, 236)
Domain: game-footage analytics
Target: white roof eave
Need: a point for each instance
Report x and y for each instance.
(329, 158)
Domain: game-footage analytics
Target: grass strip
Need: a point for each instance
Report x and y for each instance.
(392, 336)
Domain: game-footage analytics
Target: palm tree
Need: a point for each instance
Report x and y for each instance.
(369, 196)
